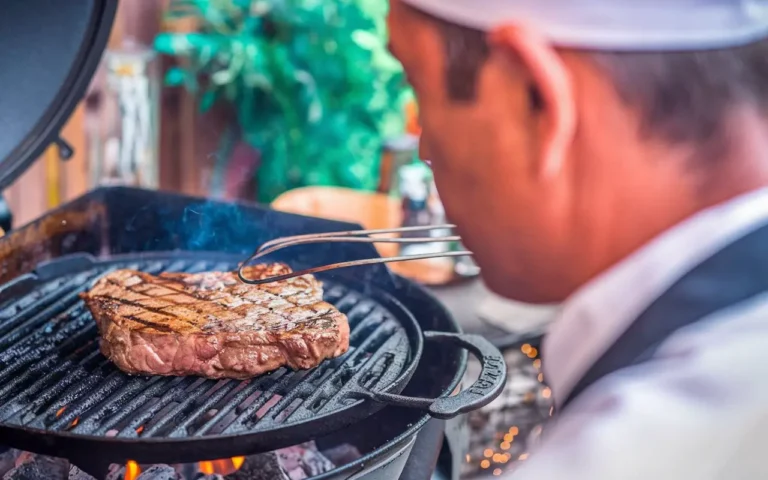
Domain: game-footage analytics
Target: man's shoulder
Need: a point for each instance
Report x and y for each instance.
(728, 346)
(704, 370)
(699, 406)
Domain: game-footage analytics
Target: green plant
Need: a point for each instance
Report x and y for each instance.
(313, 86)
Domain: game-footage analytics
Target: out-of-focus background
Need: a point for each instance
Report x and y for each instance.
(204, 97)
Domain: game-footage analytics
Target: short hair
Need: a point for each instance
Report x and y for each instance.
(682, 97)
(466, 51)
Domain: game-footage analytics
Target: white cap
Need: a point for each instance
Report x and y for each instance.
(632, 25)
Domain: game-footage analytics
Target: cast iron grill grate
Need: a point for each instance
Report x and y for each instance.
(53, 377)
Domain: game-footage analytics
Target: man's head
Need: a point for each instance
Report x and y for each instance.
(558, 162)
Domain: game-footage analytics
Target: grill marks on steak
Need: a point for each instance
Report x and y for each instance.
(211, 324)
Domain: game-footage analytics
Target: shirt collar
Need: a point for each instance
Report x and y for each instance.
(599, 312)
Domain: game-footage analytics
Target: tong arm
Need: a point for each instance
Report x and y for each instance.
(352, 236)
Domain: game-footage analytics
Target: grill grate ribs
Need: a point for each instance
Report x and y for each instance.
(53, 378)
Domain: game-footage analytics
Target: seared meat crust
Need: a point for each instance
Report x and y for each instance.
(212, 325)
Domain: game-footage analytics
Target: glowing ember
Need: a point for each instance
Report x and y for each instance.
(74, 422)
(508, 428)
(139, 430)
(60, 411)
(206, 467)
(132, 470)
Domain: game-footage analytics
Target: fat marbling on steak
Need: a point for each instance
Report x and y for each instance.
(213, 325)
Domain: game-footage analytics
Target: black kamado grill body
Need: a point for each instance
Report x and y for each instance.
(59, 396)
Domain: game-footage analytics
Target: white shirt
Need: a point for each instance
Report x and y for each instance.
(699, 411)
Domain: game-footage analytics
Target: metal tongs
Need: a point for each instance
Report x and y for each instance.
(352, 236)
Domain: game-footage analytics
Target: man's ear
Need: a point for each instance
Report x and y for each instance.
(551, 89)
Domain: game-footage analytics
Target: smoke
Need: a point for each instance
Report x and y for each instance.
(237, 228)
(214, 226)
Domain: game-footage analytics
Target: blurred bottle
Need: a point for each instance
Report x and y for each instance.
(414, 186)
(396, 153)
(405, 177)
(463, 266)
(399, 151)
(419, 210)
(124, 120)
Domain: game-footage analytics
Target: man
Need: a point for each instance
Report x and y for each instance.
(614, 154)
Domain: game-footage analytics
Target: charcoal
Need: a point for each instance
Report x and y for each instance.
(260, 467)
(77, 474)
(159, 472)
(36, 467)
(342, 454)
(316, 464)
(116, 472)
(7, 461)
(24, 457)
(290, 460)
(304, 458)
(299, 462)
(189, 471)
(297, 474)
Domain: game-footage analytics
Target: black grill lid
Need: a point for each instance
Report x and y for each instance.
(49, 51)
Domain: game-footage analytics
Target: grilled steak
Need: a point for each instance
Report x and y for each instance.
(211, 324)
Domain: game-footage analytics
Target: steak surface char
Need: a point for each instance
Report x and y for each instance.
(212, 325)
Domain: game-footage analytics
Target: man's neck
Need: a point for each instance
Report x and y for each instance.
(640, 212)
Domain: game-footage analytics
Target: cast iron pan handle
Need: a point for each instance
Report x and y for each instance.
(486, 388)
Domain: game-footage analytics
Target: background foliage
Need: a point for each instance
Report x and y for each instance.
(313, 86)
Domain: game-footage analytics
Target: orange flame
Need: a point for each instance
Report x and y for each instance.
(206, 467)
(212, 467)
(132, 470)
(222, 467)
